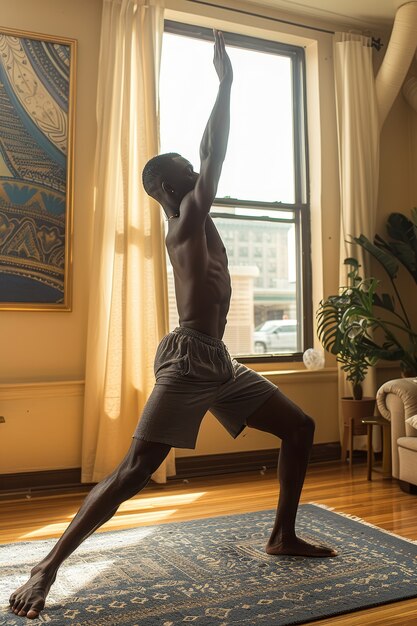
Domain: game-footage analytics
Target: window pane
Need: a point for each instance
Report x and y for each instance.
(260, 160)
(263, 312)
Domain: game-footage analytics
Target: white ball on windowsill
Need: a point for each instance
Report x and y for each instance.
(313, 359)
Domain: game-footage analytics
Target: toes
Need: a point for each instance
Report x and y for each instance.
(17, 607)
(33, 610)
(24, 609)
(21, 608)
(30, 610)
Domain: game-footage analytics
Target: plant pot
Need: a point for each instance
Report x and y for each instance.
(357, 410)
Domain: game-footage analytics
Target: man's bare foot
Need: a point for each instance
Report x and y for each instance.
(29, 600)
(298, 547)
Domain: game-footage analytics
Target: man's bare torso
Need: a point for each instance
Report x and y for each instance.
(202, 280)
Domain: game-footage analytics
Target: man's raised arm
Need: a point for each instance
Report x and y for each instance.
(214, 143)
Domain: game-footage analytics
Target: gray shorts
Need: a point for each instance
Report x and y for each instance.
(195, 373)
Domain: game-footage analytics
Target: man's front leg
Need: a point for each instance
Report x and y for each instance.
(281, 417)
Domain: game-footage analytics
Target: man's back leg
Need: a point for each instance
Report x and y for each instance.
(102, 502)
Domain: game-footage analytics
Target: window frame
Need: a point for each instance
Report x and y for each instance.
(301, 205)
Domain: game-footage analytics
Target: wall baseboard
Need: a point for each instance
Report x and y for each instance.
(253, 460)
(49, 479)
(187, 467)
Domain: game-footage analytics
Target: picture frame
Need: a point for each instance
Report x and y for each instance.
(37, 111)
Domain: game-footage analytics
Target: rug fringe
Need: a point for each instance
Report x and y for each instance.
(322, 506)
(355, 518)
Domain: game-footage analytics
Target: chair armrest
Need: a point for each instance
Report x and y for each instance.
(396, 401)
(405, 389)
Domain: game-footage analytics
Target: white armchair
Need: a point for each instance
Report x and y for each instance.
(397, 402)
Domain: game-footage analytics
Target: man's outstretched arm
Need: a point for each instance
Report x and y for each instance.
(214, 142)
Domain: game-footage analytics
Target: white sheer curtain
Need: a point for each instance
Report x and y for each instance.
(128, 309)
(358, 139)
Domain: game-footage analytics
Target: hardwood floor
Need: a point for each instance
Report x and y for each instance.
(380, 502)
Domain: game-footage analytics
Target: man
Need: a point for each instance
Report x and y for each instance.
(193, 369)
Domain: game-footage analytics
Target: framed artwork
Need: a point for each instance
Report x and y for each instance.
(37, 102)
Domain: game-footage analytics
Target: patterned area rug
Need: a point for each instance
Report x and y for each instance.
(215, 572)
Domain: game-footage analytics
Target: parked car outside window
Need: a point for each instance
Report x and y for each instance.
(275, 336)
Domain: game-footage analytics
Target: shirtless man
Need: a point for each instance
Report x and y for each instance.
(193, 369)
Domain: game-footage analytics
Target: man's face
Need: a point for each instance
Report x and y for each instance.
(181, 176)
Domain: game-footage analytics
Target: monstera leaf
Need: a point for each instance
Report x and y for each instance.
(402, 249)
(403, 246)
(329, 317)
(401, 228)
(380, 250)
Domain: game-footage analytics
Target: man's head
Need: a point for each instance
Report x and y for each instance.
(168, 178)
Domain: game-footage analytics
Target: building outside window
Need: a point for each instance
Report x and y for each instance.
(261, 209)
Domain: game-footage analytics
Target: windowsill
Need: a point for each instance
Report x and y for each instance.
(327, 374)
(272, 365)
(266, 360)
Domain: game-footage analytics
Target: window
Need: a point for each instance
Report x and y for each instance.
(261, 210)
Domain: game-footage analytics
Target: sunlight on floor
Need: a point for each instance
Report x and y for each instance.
(75, 577)
(134, 512)
(158, 501)
(126, 521)
(94, 543)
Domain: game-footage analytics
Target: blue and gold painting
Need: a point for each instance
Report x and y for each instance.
(35, 172)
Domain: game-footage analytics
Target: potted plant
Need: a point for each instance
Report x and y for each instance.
(361, 326)
(394, 325)
(343, 333)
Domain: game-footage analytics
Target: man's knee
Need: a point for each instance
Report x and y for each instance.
(141, 461)
(303, 425)
(130, 478)
(308, 424)
(132, 475)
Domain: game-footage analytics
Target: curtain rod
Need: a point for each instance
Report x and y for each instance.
(375, 43)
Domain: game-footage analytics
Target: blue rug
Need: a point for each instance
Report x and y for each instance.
(215, 572)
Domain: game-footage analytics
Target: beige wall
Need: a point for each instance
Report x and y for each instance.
(42, 428)
(43, 354)
(398, 184)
